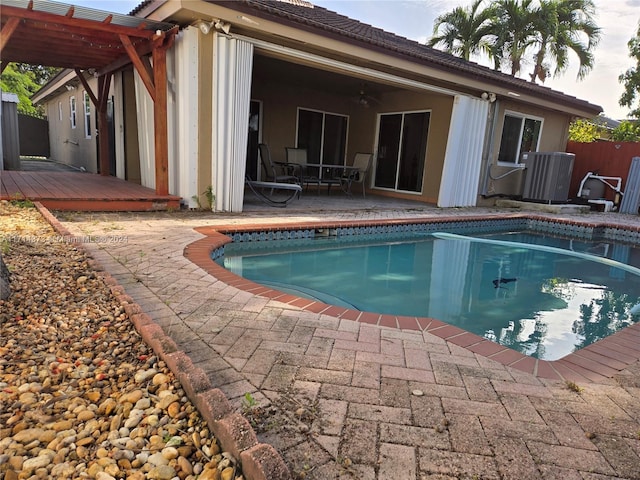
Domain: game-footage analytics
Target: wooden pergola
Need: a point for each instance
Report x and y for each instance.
(82, 39)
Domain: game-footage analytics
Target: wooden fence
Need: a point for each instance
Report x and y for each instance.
(611, 159)
(34, 136)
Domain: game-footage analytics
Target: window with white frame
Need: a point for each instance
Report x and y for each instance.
(402, 150)
(520, 133)
(60, 111)
(87, 115)
(72, 115)
(324, 135)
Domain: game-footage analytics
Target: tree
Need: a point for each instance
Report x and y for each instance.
(562, 26)
(627, 131)
(631, 79)
(514, 30)
(24, 80)
(463, 31)
(585, 131)
(511, 30)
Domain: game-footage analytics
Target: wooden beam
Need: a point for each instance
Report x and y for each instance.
(87, 87)
(67, 51)
(7, 32)
(139, 65)
(160, 120)
(143, 49)
(103, 92)
(79, 35)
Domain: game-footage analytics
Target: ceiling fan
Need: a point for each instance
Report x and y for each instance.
(365, 100)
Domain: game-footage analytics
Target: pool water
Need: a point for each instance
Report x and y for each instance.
(541, 295)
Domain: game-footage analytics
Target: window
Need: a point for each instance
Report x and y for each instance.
(60, 111)
(72, 117)
(324, 135)
(519, 134)
(402, 150)
(87, 115)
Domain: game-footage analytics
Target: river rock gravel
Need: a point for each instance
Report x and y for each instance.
(81, 395)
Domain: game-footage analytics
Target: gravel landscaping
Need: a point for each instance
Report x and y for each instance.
(81, 395)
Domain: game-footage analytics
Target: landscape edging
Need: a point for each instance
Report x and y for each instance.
(232, 430)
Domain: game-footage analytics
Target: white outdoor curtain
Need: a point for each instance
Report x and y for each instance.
(233, 63)
(183, 80)
(463, 158)
(118, 110)
(182, 119)
(146, 147)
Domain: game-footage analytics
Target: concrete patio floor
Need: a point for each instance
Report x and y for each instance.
(341, 399)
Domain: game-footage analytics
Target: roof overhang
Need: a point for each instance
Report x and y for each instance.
(404, 57)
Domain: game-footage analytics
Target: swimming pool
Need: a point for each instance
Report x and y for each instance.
(540, 293)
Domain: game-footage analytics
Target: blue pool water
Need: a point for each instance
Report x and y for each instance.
(541, 295)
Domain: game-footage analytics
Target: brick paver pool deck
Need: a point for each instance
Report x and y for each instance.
(351, 399)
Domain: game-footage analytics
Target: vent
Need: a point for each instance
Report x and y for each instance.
(547, 176)
(298, 3)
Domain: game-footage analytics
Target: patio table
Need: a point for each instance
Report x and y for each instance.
(335, 174)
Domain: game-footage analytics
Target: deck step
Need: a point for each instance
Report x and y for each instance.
(82, 192)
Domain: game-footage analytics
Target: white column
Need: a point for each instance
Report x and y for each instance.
(463, 158)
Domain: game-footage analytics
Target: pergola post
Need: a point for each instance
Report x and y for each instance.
(161, 141)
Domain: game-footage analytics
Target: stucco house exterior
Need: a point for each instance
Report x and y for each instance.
(291, 74)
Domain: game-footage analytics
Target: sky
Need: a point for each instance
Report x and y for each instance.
(414, 19)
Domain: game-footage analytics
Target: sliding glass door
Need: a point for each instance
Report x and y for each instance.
(324, 135)
(402, 148)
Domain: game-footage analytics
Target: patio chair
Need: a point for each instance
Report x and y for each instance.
(287, 192)
(297, 157)
(271, 169)
(357, 174)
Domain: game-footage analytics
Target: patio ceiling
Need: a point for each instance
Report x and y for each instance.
(42, 32)
(269, 68)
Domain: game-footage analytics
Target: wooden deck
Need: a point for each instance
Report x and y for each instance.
(82, 192)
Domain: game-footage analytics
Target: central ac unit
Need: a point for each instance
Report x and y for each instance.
(547, 176)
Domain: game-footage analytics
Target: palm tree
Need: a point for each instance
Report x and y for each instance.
(514, 32)
(560, 26)
(464, 30)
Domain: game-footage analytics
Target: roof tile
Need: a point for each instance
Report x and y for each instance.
(322, 19)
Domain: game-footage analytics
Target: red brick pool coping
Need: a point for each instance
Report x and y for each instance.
(597, 362)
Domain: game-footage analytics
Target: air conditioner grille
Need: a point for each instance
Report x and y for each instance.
(547, 176)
